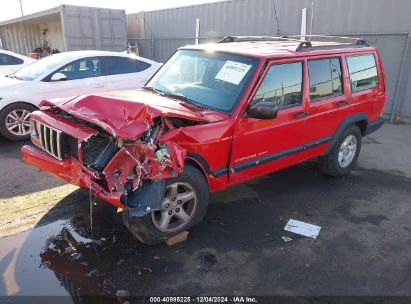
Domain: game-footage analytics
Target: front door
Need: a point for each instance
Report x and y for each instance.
(83, 77)
(261, 146)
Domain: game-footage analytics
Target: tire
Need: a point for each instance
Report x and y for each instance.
(336, 164)
(12, 113)
(147, 228)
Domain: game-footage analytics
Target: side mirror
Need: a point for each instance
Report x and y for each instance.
(263, 110)
(58, 77)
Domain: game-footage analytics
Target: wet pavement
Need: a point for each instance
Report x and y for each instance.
(362, 249)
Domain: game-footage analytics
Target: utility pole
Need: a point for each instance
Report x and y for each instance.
(22, 35)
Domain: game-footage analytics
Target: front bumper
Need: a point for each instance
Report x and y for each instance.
(70, 171)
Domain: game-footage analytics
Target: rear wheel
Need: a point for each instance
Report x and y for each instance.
(340, 160)
(14, 121)
(184, 205)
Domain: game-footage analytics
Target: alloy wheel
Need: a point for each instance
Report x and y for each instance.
(18, 123)
(347, 151)
(178, 207)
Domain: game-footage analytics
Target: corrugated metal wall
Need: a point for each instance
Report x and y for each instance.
(86, 28)
(54, 35)
(70, 28)
(159, 33)
(12, 39)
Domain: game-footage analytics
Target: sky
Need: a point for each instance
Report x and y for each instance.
(12, 9)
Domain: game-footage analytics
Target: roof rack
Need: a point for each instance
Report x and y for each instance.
(255, 38)
(307, 44)
(303, 45)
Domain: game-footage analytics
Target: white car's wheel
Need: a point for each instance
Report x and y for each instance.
(14, 121)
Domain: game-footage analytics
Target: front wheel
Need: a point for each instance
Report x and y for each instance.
(14, 121)
(340, 160)
(184, 205)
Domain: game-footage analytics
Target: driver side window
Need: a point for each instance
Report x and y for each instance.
(81, 69)
(282, 85)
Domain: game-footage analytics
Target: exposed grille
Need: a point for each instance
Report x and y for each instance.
(97, 152)
(50, 140)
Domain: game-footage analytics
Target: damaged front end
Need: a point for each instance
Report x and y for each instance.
(128, 173)
(137, 168)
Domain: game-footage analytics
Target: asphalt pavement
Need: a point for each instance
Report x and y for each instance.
(363, 247)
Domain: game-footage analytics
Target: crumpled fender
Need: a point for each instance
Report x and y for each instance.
(141, 172)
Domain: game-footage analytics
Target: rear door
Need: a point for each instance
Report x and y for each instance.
(328, 98)
(83, 77)
(261, 146)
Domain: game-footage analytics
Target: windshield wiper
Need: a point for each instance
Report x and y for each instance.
(153, 90)
(184, 98)
(12, 76)
(176, 96)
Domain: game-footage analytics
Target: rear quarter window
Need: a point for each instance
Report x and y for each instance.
(124, 65)
(363, 72)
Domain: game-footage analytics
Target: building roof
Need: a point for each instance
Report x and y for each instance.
(44, 13)
(50, 13)
(278, 48)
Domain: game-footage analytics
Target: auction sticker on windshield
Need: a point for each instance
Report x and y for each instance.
(233, 72)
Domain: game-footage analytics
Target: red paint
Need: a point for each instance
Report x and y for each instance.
(222, 141)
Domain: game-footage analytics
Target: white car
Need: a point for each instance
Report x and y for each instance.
(65, 75)
(11, 62)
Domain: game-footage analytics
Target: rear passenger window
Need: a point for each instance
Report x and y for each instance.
(363, 72)
(9, 60)
(282, 85)
(325, 78)
(124, 65)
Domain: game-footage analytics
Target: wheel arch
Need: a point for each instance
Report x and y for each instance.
(19, 102)
(360, 120)
(197, 161)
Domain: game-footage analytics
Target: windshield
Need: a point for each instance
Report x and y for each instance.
(39, 67)
(210, 79)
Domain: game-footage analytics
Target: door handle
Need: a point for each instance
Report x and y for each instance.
(300, 115)
(341, 103)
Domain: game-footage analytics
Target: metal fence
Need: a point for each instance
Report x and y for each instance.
(386, 23)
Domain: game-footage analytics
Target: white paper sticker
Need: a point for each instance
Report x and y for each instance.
(233, 72)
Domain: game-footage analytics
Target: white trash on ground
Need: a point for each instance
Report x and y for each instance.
(302, 228)
(286, 239)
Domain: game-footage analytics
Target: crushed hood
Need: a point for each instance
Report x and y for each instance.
(128, 114)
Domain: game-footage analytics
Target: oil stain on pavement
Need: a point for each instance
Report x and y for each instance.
(363, 247)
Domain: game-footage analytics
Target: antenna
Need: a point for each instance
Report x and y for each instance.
(278, 24)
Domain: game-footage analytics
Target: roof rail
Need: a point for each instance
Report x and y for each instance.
(303, 45)
(307, 44)
(255, 38)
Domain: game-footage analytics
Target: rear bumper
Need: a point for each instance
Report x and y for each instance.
(374, 126)
(69, 171)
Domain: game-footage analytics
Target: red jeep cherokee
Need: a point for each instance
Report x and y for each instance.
(213, 116)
